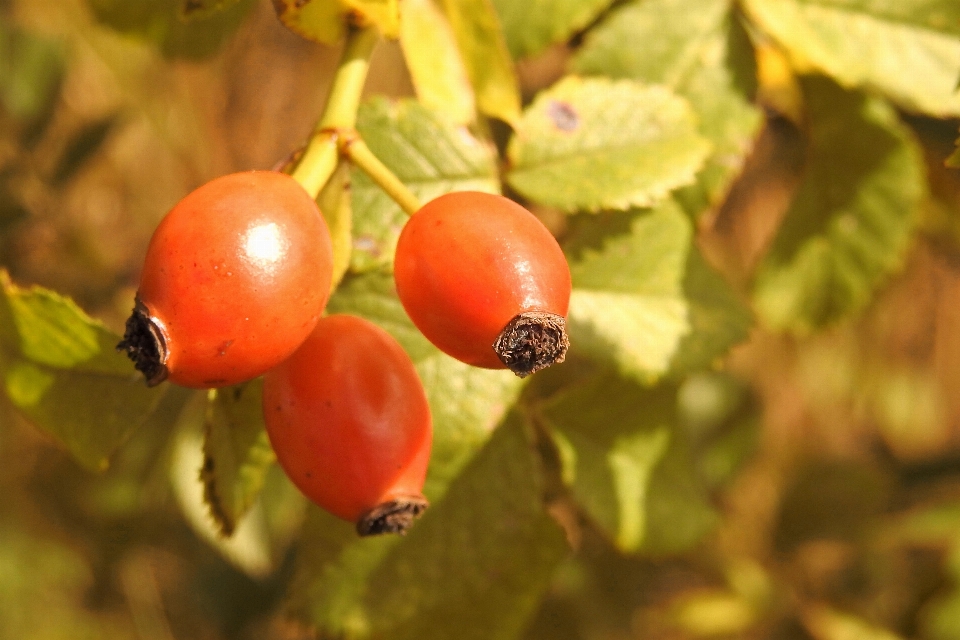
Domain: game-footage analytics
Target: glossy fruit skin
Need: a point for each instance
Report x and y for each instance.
(467, 263)
(348, 418)
(236, 276)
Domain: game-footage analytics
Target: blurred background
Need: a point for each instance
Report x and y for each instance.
(848, 499)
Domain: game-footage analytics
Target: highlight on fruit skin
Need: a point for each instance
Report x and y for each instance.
(348, 418)
(235, 278)
(485, 281)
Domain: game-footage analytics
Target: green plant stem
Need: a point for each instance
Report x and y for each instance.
(319, 159)
(360, 154)
(341, 110)
(318, 163)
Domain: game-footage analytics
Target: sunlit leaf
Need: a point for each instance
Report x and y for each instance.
(718, 317)
(593, 143)
(436, 69)
(62, 371)
(485, 56)
(851, 220)
(909, 51)
(489, 530)
(236, 452)
(628, 302)
(700, 50)
(530, 27)
(263, 535)
(625, 463)
(327, 21)
(429, 153)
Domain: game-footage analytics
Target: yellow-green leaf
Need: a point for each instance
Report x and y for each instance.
(531, 27)
(851, 220)
(700, 50)
(326, 21)
(437, 71)
(624, 458)
(590, 144)
(485, 55)
(61, 370)
(908, 51)
(237, 453)
(490, 530)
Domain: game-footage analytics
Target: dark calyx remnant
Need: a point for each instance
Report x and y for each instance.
(144, 344)
(532, 341)
(395, 516)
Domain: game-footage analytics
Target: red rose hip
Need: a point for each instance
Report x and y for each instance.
(485, 282)
(348, 419)
(235, 278)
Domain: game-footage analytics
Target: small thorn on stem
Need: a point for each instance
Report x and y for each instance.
(144, 343)
(532, 341)
(395, 516)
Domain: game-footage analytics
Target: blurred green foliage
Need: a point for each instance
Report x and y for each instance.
(755, 434)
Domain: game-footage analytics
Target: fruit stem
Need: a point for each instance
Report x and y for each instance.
(318, 162)
(351, 75)
(354, 148)
(319, 159)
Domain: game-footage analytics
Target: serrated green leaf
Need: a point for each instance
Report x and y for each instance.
(851, 219)
(62, 371)
(592, 143)
(645, 297)
(159, 23)
(429, 153)
(465, 402)
(626, 464)
(908, 51)
(237, 452)
(261, 538)
(193, 9)
(490, 530)
(326, 21)
(531, 27)
(699, 50)
(483, 49)
(628, 302)
(718, 318)
(335, 204)
(431, 53)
